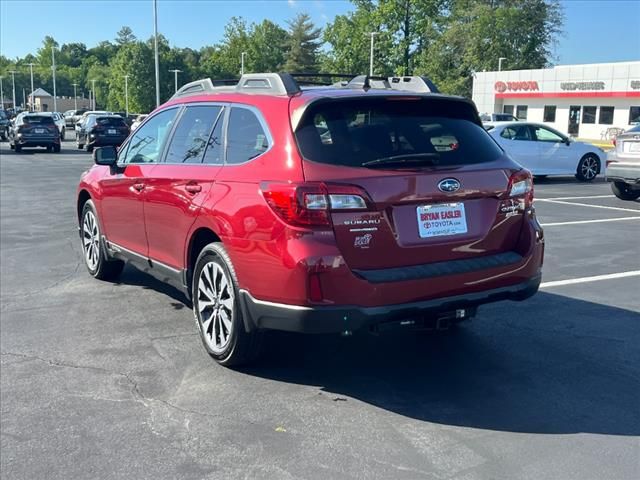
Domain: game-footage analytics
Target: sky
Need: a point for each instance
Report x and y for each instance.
(594, 30)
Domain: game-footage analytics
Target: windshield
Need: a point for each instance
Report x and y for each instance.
(378, 132)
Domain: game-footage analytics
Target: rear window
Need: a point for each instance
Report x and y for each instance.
(356, 132)
(35, 120)
(110, 122)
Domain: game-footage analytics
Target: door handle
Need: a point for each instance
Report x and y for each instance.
(138, 186)
(193, 188)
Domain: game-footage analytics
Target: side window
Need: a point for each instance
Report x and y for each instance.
(246, 139)
(148, 140)
(544, 135)
(515, 132)
(192, 134)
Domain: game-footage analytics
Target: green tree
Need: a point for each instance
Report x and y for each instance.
(265, 47)
(136, 61)
(125, 36)
(302, 45)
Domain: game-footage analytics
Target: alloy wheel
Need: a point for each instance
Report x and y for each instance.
(91, 240)
(215, 306)
(589, 168)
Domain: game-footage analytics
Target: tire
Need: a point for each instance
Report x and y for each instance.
(11, 146)
(56, 149)
(215, 296)
(93, 252)
(624, 192)
(588, 168)
(62, 135)
(80, 146)
(89, 148)
(17, 148)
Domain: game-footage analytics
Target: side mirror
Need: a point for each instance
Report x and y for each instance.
(567, 141)
(105, 156)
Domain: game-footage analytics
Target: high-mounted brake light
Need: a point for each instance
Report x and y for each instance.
(309, 204)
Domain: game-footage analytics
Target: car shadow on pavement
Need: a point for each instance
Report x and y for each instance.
(552, 365)
(133, 276)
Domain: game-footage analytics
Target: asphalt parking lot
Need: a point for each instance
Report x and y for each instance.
(102, 380)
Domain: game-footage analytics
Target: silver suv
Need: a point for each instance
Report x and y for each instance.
(623, 165)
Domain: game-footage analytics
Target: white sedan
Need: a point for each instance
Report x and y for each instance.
(545, 151)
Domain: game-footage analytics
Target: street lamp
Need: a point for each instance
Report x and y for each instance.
(175, 74)
(53, 67)
(1, 94)
(93, 87)
(32, 103)
(13, 79)
(155, 41)
(500, 63)
(75, 97)
(242, 55)
(126, 95)
(373, 34)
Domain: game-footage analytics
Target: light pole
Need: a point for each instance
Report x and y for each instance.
(93, 87)
(175, 74)
(242, 55)
(155, 42)
(373, 34)
(13, 80)
(500, 63)
(53, 67)
(75, 97)
(31, 100)
(1, 94)
(24, 97)
(126, 95)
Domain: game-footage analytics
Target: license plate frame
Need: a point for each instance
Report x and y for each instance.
(112, 131)
(634, 147)
(442, 220)
(38, 130)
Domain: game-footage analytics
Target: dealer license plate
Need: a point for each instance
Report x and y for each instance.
(634, 147)
(441, 220)
(111, 131)
(39, 130)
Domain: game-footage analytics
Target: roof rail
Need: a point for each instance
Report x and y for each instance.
(413, 84)
(287, 83)
(266, 83)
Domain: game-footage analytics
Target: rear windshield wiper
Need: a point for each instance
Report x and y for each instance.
(408, 158)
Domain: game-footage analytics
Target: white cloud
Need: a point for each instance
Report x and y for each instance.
(292, 3)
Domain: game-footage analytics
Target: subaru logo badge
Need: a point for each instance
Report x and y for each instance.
(449, 185)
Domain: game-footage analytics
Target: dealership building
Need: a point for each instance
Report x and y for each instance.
(585, 101)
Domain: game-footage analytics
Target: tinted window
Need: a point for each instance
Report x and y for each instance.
(589, 114)
(508, 109)
(148, 140)
(521, 112)
(35, 120)
(634, 114)
(246, 139)
(606, 115)
(192, 134)
(549, 113)
(517, 132)
(354, 132)
(110, 122)
(546, 135)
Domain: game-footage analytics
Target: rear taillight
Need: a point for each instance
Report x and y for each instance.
(309, 204)
(614, 141)
(521, 186)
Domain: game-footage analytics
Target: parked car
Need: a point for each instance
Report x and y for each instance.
(136, 123)
(58, 120)
(5, 123)
(545, 151)
(100, 130)
(498, 117)
(623, 165)
(314, 210)
(34, 130)
(71, 117)
(83, 117)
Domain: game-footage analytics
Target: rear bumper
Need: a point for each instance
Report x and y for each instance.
(623, 172)
(37, 141)
(259, 314)
(106, 141)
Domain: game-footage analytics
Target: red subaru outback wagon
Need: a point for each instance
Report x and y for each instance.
(371, 203)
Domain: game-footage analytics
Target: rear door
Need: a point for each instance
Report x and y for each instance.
(182, 181)
(434, 179)
(124, 191)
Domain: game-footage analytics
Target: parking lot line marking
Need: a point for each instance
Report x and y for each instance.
(635, 210)
(577, 198)
(595, 278)
(578, 222)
